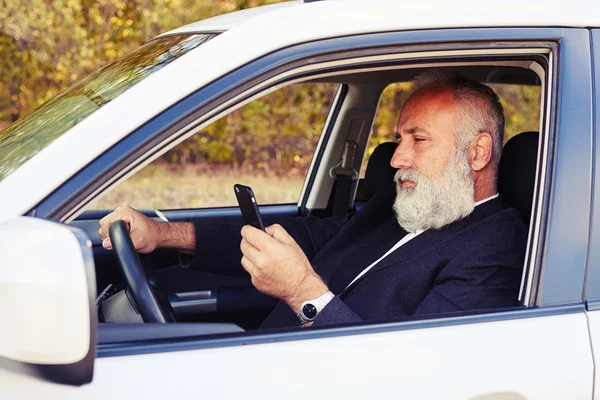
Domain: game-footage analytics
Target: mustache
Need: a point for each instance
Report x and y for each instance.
(408, 175)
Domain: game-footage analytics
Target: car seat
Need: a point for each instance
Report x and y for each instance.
(516, 174)
(379, 172)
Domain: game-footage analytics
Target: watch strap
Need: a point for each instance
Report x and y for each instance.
(311, 308)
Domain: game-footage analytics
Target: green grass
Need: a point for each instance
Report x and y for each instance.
(196, 186)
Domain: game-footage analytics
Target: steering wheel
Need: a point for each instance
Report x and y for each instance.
(153, 307)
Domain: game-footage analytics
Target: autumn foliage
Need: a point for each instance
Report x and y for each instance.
(45, 45)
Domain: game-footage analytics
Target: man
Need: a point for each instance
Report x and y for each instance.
(437, 240)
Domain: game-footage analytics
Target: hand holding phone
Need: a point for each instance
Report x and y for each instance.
(248, 206)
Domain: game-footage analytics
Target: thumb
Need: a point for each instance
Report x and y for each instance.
(279, 233)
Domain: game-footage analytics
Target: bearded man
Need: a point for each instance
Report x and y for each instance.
(438, 239)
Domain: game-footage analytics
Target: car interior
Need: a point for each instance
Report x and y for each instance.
(225, 304)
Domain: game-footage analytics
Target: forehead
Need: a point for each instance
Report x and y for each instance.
(430, 107)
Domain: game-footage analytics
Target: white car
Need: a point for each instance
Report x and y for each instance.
(73, 149)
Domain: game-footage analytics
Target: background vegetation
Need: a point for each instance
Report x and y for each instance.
(47, 45)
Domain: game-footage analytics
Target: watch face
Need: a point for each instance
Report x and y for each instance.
(309, 311)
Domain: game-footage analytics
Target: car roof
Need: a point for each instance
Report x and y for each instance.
(227, 21)
(411, 15)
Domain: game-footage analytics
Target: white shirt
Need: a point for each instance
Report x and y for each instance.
(408, 237)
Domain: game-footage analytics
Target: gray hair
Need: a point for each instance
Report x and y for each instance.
(478, 107)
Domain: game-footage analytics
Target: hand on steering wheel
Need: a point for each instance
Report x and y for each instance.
(153, 307)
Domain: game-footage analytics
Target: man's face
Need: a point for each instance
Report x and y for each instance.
(434, 183)
(426, 134)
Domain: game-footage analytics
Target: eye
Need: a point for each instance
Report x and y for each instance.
(420, 139)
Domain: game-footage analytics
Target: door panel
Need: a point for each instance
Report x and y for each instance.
(530, 358)
(219, 215)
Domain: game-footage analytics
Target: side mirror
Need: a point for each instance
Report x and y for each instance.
(47, 301)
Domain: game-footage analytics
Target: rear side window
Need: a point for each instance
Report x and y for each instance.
(521, 111)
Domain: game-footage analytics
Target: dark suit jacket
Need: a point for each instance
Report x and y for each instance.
(474, 263)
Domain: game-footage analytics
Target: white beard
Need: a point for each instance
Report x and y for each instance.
(433, 204)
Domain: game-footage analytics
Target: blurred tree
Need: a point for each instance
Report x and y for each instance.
(45, 45)
(291, 117)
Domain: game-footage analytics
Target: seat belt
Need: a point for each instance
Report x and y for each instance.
(345, 175)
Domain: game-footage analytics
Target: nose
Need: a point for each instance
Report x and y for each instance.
(403, 156)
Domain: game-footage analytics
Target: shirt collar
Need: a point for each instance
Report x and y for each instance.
(487, 199)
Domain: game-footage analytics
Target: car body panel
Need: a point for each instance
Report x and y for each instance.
(569, 199)
(348, 17)
(224, 22)
(541, 358)
(594, 329)
(592, 289)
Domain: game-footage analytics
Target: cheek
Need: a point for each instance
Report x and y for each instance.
(432, 162)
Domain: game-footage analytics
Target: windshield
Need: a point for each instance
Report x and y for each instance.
(27, 136)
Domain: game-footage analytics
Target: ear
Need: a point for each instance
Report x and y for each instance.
(480, 151)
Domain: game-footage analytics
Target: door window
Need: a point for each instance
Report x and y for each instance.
(267, 144)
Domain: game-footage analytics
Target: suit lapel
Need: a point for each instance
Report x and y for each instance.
(418, 245)
(369, 249)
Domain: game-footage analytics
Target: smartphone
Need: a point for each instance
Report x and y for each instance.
(247, 201)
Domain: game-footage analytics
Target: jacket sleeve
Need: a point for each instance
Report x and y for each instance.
(336, 312)
(218, 246)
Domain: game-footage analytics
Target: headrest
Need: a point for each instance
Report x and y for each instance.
(516, 175)
(379, 171)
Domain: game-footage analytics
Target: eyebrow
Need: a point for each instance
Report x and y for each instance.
(413, 130)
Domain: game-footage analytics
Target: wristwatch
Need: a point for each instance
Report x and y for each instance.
(311, 308)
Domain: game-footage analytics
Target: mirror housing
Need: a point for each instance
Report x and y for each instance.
(47, 301)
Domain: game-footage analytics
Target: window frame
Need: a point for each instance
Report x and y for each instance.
(591, 293)
(240, 86)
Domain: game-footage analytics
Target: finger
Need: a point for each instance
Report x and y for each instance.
(270, 229)
(256, 237)
(107, 244)
(125, 214)
(120, 213)
(248, 265)
(278, 232)
(251, 252)
(103, 231)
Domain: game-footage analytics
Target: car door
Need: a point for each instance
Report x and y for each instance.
(539, 351)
